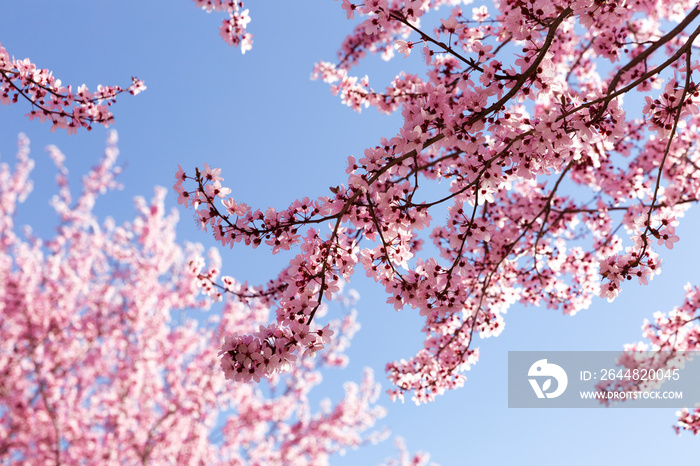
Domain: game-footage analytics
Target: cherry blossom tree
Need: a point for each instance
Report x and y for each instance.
(554, 127)
(563, 136)
(97, 366)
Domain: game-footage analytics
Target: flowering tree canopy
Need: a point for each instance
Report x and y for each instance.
(559, 137)
(520, 111)
(96, 369)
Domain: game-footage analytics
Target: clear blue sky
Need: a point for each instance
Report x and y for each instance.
(278, 136)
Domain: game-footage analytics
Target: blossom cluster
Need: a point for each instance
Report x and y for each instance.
(232, 30)
(310, 277)
(64, 107)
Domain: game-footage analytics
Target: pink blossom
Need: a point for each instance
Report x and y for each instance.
(349, 8)
(404, 47)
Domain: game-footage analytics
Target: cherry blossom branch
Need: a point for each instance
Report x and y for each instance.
(232, 30)
(673, 33)
(671, 135)
(610, 96)
(509, 235)
(52, 101)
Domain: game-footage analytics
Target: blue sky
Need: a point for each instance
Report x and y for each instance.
(277, 135)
